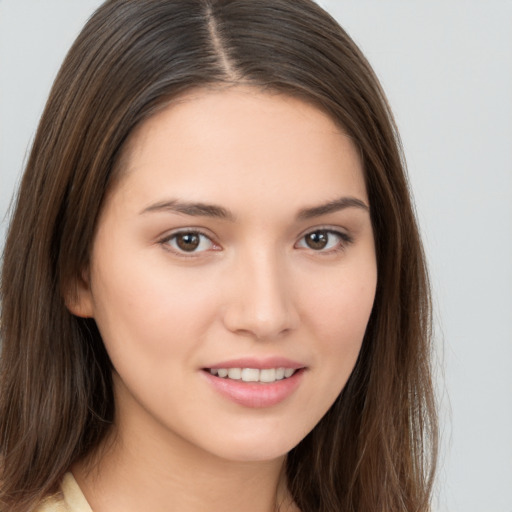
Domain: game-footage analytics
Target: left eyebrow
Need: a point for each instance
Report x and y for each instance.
(331, 207)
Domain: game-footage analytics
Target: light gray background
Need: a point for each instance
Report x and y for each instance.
(447, 68)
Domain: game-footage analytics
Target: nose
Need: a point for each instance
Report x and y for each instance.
(262, 302)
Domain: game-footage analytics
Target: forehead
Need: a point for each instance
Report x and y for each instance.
(241, 145)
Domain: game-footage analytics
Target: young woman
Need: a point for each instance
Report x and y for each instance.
(213, 289)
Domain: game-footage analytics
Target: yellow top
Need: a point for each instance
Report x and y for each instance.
(70, 499)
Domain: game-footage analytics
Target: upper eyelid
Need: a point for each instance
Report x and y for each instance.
(344, 236)
(329, 228)
(200, 231)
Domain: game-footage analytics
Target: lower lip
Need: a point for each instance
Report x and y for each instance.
(255, 394)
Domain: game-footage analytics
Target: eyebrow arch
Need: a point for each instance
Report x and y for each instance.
(211, 210)
(331, 207)
(189, 208)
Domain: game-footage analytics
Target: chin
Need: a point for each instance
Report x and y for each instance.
(255, 447)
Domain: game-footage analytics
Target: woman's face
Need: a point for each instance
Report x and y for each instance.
(238, 241)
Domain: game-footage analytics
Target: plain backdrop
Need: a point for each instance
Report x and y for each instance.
(446, 66)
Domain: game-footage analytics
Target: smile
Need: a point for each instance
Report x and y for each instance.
(255, 383)
(266, 375)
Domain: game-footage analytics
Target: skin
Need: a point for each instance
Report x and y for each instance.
(254, 287)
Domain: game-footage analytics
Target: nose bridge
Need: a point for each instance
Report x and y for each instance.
(263, 303)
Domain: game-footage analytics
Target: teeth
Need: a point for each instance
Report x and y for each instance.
(250, 375)
(253, 374)
(268, 375)
(235, 373)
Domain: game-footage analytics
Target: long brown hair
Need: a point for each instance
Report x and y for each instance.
(375, 449)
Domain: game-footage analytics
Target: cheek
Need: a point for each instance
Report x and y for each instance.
(341, 304)
(347, 312)
(148, 312)
(338, 316)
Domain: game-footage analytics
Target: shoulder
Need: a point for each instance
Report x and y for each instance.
(53, 504)
(69, 499)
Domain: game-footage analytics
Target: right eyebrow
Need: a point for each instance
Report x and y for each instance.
(190, 208)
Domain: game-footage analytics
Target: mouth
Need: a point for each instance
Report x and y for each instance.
(264, 376)
(255, 387)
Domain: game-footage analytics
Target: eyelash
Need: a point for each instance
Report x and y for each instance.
(343, 242)
(166, 242)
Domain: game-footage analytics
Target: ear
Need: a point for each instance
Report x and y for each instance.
(78, 297)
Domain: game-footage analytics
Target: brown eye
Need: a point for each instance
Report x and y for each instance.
(317, 240)
(324, 240)
(189, 242)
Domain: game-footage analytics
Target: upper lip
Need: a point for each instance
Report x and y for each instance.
(258, 363)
